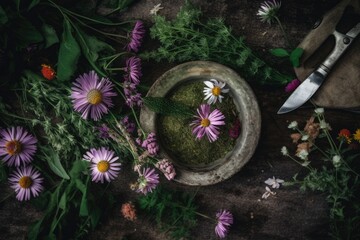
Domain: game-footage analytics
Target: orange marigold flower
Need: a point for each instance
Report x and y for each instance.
(345, 134)
(48, 72)
(357, 135)
(128, 211)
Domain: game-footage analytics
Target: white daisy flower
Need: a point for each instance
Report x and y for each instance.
(268, 10)
(213, 91)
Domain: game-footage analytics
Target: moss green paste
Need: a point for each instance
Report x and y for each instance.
(176, 135)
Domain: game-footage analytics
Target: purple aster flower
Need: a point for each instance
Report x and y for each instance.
(150, 144)
(148, 180)
(166, 167)
(92, 96)
(103, 131)
(129, 126)
(136, 36)
(291, 86)
(133, 70)
(17, 146)
(224, 220)
(26, 182)
(207, 123)
(103, 164)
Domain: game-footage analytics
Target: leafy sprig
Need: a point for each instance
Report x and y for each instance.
(187, 37)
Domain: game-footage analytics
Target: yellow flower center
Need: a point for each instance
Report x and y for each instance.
(216, 91)
(103, 166)
(13, 147)
(94, 97)
(205, 122)
(25, 182)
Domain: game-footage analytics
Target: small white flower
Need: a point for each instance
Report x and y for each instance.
(303, 154)
(325, 125)
(267, 193)
(268, 10)
(274, 183)
(305, 137)
(319, 111)
(305, 164)
(155, 9)
(284, 151)
(336, 160)
(213, 91)
(293, 125)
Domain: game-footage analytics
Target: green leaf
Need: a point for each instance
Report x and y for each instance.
(3, 16)
(35, 230)
(95, 215)
(62, 202)
(49, 35)
(84, 210)
(69, 53)
(96, 46)
(55, 165)
(78, 167)
(86, 50)
(279, 52)
(295, 56)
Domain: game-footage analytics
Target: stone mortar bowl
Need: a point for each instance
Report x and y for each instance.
(248, 113)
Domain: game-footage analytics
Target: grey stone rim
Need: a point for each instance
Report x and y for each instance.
(248, 112)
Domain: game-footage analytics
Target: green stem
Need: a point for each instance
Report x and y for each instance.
(283, 32)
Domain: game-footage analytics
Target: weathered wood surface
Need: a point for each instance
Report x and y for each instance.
(290, 214)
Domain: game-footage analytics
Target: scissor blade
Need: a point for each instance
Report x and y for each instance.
(302, 93)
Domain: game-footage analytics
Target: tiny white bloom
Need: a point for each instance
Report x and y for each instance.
(303, 154)
(306, 163)
(336, 161)
(274, 183)
(324, 125)
(284, 151)
(268, 10)
(213, 91)
(267, 193)
(155, 9)
(293, 125)
(319, 111)
(305, 137)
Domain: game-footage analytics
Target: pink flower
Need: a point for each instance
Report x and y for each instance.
(166, 167)
(136, 36)
(207, 123)
(224, 220)
(133, 70)
(291, 86)
(148, 180)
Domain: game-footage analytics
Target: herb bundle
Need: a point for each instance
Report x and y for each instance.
(187, 38)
